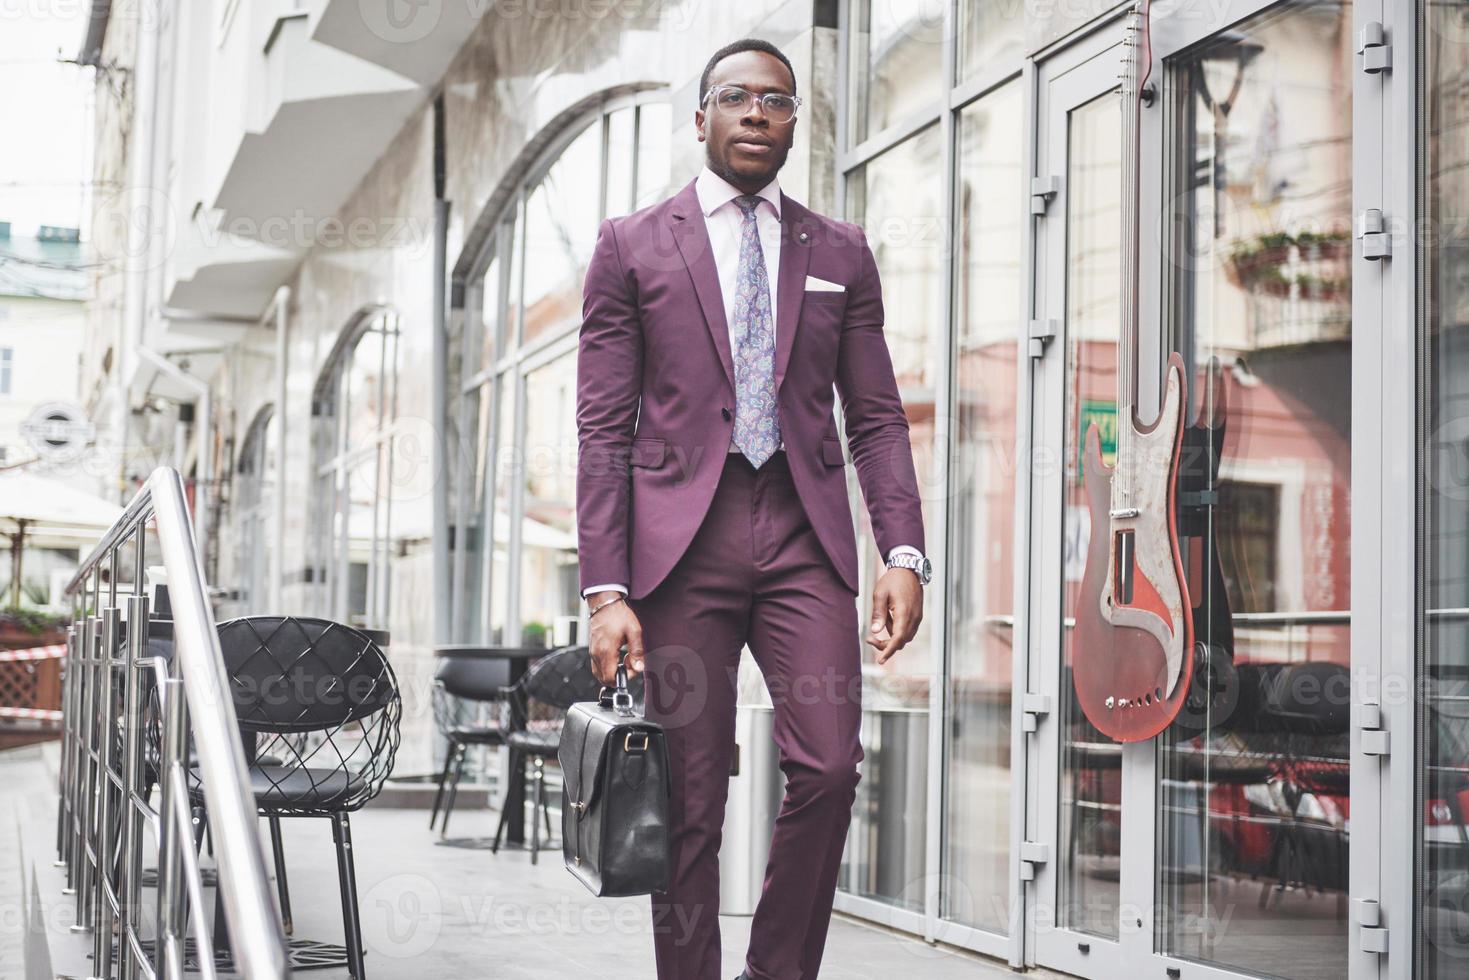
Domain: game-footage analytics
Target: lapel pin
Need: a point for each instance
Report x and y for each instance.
(803, 237)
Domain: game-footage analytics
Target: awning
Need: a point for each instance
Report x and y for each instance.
(47, 504)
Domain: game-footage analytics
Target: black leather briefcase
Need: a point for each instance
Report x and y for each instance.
(614, 814)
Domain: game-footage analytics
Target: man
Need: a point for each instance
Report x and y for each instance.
(712, 507)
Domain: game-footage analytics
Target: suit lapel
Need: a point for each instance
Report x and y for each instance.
(687, 226)
(795, 258)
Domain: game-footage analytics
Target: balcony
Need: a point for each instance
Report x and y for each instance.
(226, 275)
(417, 45)
(326, 118)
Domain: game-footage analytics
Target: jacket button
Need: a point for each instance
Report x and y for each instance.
(726, 413)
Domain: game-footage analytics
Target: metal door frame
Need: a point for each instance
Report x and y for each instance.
(1078, 74)
(1384, 137)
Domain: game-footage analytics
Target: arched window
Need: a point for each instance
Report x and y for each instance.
(515, 563)
(354, 412)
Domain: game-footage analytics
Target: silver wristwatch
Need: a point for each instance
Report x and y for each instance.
(918, 563)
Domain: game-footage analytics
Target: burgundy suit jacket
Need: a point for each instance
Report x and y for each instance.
(655, 393)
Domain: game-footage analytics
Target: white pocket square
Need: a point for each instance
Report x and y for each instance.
(822, 286)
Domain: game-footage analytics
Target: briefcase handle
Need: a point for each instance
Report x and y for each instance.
(618, 698)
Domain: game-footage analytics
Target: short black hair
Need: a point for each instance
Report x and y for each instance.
(735, 47)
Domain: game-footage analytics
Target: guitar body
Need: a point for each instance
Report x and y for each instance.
(1133, 651)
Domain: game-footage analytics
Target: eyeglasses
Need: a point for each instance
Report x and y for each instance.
(777, 106)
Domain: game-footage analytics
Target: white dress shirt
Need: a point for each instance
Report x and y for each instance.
(724, 221)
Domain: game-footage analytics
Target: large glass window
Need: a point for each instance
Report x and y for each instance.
(1090, 817)
(895, 61)
(355, 408)
(989, 257)
(898, 199)
(939, 191)
(548, 566)
(515, 562)
(990, 32)
(560, 230)
(1442, 940)
(255, 490)
(1253, 779)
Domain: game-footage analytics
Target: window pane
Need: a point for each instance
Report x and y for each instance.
(990, 32)
(655, 152)
(1443, 947)
(1253, 776)
(476, 435)
(897, 198)
(895, 62)
(619, 161)
(548, 576)
(481, 349)
(498, 512)
(1090, 817)
(511, 312)
(561, 230)
(254, 507)
(355, 471)
(989, 242)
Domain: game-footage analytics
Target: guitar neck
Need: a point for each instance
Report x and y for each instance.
(1136, 68)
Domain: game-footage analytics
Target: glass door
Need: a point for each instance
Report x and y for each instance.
(1222, 847)
(1074, 854)
(1253, 784)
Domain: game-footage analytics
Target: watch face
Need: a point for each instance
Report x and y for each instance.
(927, 569)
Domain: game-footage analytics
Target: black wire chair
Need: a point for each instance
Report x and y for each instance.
(319, 708)
(538, 704)
(469, 709)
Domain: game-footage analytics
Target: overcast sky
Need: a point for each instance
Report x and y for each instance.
(45, 121)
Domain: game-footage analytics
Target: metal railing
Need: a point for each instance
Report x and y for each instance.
(110, 764)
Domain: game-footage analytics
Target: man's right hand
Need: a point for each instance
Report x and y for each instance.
(612, 629)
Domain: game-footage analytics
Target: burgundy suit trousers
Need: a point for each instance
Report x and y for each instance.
(755, 573)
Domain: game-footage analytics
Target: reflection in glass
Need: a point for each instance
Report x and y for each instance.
(547, 461)
(561, 215)
(497, 508)
(897, 198)
(491, 315)
(982, 511)
(895, 62)
(357, 478)
(469, 535)
(1253, 831)
(254, 506)
(474, 431)
(620, 137)
(1091, 765)
(990, 32)
(655, 152)
(1443, 928)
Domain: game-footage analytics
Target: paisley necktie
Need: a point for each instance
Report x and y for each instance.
(757, 426)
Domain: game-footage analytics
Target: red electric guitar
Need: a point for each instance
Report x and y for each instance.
(1133, 646)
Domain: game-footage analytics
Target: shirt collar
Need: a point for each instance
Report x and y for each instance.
(715, 192)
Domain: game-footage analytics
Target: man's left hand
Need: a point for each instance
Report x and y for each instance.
(897, 608)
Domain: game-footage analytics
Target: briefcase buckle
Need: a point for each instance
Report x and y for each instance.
(627, 745)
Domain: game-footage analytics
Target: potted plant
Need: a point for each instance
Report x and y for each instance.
(22, 628)
(534, 634)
